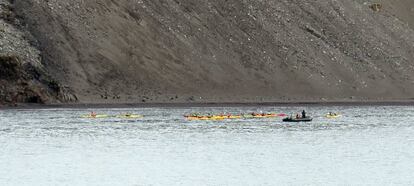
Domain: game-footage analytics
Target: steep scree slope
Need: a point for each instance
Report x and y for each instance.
(224, 50)
(23, 77)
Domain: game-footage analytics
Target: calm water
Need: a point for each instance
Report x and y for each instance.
(367, 146)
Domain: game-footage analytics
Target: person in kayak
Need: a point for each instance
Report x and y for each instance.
(93, 114)
(303, 114)
(332, 114)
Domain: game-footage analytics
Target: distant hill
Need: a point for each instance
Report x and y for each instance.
(131, 51)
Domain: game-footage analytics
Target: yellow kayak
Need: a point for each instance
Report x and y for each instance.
(206, 117)
(333, 116)
(214, 117)
(129, 116)
(95, 116)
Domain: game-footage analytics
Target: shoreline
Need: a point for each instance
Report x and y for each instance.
(213, 104)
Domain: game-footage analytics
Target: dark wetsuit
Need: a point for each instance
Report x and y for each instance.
(303, 114)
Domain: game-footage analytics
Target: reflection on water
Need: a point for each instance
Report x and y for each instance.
(367, 145)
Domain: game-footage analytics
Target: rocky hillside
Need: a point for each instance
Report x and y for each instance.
(106, 51)
(23, 77)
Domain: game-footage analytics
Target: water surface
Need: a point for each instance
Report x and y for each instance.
(367, 146)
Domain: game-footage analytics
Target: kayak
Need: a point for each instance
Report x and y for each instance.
(332, 116)
(223, 117)
(289, 119)
(129, 116)
(263, 116)
(212, 117)
(205, 118)
(95, 116)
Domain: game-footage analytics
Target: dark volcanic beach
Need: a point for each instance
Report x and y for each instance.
(304, 104)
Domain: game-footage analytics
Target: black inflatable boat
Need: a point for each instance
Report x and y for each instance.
(290, 119)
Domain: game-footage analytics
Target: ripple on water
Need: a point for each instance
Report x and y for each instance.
(368, 145)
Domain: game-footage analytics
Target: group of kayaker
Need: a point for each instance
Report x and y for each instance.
(298, 117)
(126, 115)
(198, 116)
(209, 116)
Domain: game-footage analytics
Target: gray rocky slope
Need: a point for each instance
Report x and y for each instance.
(102, 51)
(23, 77)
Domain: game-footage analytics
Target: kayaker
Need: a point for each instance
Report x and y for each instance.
(303, 114)
(93, 114)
